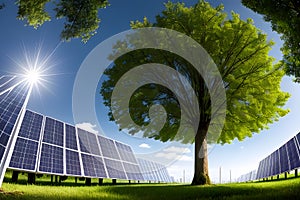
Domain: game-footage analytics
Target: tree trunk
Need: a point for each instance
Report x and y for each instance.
(201, 161)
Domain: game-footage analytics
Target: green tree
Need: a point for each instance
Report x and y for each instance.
(240, 51)
(81, 16)
(284, 16)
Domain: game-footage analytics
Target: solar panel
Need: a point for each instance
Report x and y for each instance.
(88, 142)
(272, 164)
(259, 170)
(51, 159)
(93, 166)
(126, 152)
(24, 155)
(10, 108)
(133, 171)
(263, 175)
(284, 161)
(297, 137)
(71, 140)
(53, 132)
(293, 154)
(108, 148)
(115, 169)
(276, 162)
(31, 126)
(72, 163)
(11, 104)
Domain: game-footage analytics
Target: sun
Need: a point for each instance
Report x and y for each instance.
(33, 76)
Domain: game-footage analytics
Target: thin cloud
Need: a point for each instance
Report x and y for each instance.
(177, 149)
(88, 127)
(144, 145)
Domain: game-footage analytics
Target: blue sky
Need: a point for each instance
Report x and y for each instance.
(56, 99)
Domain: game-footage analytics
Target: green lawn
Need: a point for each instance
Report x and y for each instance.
(282, 189)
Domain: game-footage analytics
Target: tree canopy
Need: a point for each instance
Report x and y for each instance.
(81, 16)
(240, 51)
(284, 16)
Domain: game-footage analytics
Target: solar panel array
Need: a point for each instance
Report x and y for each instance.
(49, 146)
(284, 159)
(13, 94)
(153, 171)
(247, 177)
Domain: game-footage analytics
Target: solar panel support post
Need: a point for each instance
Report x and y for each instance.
(278, 177)
(129, 181)
(296, 172)
(114, 181)
(75, 179)
(285, 175)
(15, 176)
(51, 179)
(88, 181)
(31, 178)
(100, 181)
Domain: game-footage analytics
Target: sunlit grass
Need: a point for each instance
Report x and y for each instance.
(282, 189)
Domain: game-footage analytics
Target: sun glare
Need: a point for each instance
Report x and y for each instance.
(33, 76)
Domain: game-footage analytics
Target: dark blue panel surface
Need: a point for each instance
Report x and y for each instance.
(293, 154)
(133, 171)
(126, 153)
(31, 126)
(53, 132)
(72, 163)
(88, 142)
(108, 148)
(258, 175)
(284, 161)
(24, 154)
(51, 159)
(71, 141)
(114, 169)
(276, 162)
(93, 166)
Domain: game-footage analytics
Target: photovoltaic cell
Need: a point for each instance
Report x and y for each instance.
(126, 153)
(88, 142)
(31, 126)
(114, 169)
(51, 160)
(93, 166)
(53, 132)
(71, 141)
(72, 163)
(108, 148)
(24, 154)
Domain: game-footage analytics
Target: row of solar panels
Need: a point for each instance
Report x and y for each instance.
(247, 177)
(46, 145)
(284, 159)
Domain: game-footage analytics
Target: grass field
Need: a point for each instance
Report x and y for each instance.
(282, 189)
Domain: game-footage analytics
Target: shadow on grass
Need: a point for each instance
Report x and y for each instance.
(283, 189)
